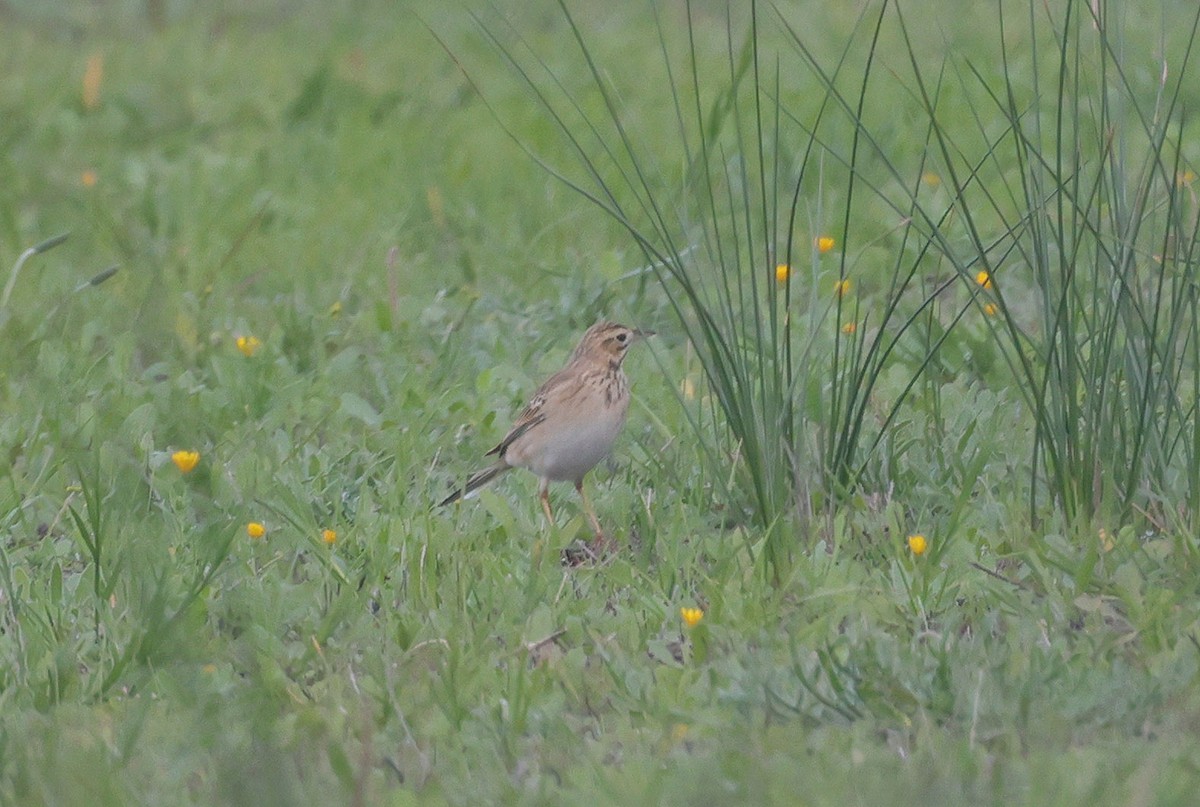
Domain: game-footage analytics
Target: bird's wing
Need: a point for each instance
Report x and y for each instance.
(556, 387)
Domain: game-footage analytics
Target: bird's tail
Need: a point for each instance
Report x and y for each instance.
(477, 480)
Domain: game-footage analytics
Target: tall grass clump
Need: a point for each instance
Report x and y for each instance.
(1075, 221)
(1094, 277)
(1063, 217)
(745, 221)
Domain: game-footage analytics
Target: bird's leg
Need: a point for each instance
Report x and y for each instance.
(601, 538)
(544, 495)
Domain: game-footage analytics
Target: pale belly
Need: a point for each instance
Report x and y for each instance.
(572, 452)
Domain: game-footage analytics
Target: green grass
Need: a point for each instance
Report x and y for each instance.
(412, 275)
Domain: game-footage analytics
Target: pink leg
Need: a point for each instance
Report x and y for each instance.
(544, 495)
(591, 513)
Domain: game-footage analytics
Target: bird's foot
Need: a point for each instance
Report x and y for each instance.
(593, 552)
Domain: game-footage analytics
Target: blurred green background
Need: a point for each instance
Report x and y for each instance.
(327, 178)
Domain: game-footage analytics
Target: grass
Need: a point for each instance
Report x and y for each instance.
(412, 275)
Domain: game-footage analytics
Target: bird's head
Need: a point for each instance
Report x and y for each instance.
(608, 341)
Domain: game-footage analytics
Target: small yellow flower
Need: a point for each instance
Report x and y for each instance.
(917, 544)
(824, 244)
(931, 179)
(249, 345)
(88, 178)
(849, 327)
(335, 310)
(691, 616)
(1186, 177)
(256, 530)
(782, 271)
(185, 461)
(93, 76)
(983, 279)
(842, 287)
(329, 536)
(990, 309)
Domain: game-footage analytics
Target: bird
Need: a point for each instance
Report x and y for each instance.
(571, 421)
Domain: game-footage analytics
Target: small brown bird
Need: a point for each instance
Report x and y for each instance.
(572, 420)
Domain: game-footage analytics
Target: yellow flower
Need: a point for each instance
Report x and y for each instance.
(1186, 177)
(185, 461)
(781, 272)
(93, 76)
(824, 244)
(849, 327)
(990, 309)
(931, 179)
(88, 178)
(984, 279)
(842, 287)
(329, 536)
(249, 345)
(335, 310)
(917, 544)
(255, 530)
(691, 616)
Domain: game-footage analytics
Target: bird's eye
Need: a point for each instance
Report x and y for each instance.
(621, 337)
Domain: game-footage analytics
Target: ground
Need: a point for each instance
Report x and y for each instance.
(338, 279)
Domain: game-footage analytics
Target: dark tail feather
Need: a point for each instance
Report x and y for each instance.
(477, 480)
